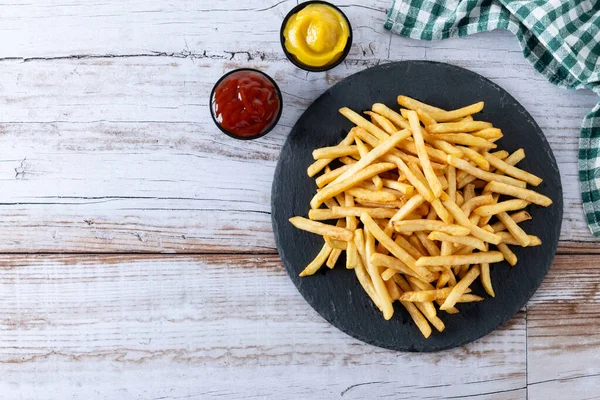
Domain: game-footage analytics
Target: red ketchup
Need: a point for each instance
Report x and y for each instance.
(246, 103)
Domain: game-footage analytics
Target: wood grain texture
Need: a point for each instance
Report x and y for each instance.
(563, 331)
(168, 327)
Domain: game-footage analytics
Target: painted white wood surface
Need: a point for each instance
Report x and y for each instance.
(200, 327)
(107, 146)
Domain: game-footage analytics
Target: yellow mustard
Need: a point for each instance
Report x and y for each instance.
(316, 35)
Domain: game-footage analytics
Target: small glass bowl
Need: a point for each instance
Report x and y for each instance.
(293, 58)
(273, 123)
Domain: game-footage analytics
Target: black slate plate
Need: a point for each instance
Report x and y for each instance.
(336, 294)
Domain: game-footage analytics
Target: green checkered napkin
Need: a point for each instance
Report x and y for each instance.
(560, 38)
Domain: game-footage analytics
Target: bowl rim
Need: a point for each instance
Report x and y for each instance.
(293, 59)
(275, 120)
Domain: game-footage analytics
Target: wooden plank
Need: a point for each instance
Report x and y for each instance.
(563, 331)
(57, 28)
(566, 389)
(120, 154)
(143, 326)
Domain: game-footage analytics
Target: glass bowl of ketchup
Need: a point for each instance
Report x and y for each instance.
(245, 103)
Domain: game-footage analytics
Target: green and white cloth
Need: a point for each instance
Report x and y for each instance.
(561, 39)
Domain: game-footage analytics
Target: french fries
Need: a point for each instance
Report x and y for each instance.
(414, 199)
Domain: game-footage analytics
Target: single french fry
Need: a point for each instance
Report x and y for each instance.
(383, 261)
(426, 295)
(475, 258)
(469, 298)
(321, 229)
(484, 175)
(408, 208)
(476, 202)
(389, 274)
(425, 118)
(464, 112)
(486, 281)
(464, 139)
(503, 206)
(442, 280)
(388, 229)
(333, 257)
(390, 114)
(367, 285)
(413, 104)
(318, 165)
(446, 248)
(517, 217)
(392, 289)
(462, 126)
(334, 189)
(321, 214)
(485, 219)
(341, 212)
(467, 179)
(317, 262)
(507, 253)
(380, 204)
(514, 229)
(382, 121)
(399, 186)
(477, 158)
(512, 171)
(335, 152)
(347, 160)
(375, 274)
(451, 178)
(515, 157)
(430, 225)
(371, 195)
(463, 240)
(501, 154)
(460, 287)
(444, 146)
(524, 194)
(508, 238)
(488, 133)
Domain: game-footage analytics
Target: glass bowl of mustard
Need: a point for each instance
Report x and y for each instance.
(316, 36)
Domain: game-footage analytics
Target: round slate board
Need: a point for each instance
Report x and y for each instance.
(336, 294)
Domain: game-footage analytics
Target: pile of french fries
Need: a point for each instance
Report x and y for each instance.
(417, 200)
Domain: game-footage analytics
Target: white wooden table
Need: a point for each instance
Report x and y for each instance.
(138, 260)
